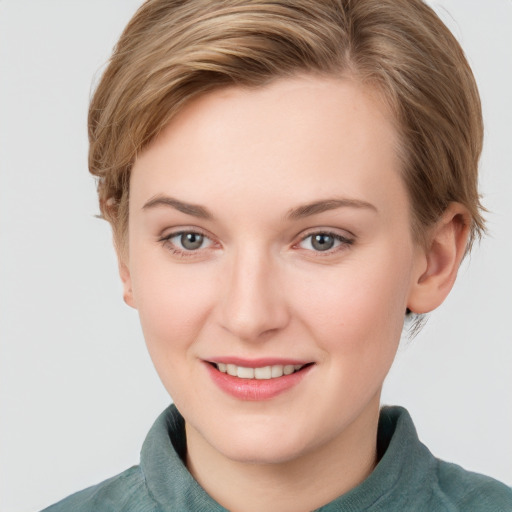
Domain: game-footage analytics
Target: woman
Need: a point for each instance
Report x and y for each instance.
(286, 183)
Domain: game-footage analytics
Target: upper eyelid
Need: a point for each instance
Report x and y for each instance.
(339, 238)
(181, 230)
(327, 231)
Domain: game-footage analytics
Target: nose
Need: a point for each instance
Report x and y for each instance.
(253, 304)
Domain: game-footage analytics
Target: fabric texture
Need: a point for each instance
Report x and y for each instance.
(407, 478)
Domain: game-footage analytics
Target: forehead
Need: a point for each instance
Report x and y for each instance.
(304, 135)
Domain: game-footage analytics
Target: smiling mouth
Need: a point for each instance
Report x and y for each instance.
(260, 373)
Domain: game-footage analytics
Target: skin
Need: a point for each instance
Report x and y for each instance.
(257, 287)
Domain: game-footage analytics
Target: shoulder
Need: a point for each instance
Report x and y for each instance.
(410, 477)
(471, 492)
(126, 492)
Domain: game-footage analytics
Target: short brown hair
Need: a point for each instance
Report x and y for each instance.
(175, 50)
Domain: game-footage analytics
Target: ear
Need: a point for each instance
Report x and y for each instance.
(124, 272)
(440, 260)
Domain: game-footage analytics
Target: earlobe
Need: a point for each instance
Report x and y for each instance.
(446, 246)
(124, 272)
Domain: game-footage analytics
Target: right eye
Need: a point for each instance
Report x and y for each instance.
(189, 241)
(185, 243)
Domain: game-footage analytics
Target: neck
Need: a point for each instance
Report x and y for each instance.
(305, 483)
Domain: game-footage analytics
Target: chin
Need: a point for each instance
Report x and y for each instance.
(269, 443)
(265, 453)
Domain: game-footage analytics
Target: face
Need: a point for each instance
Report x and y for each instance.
(269, 233)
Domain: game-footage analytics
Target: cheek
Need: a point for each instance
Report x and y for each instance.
(172, 301)
(172, 308)
(359, 307)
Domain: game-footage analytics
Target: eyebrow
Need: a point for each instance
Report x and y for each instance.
(325, 205)
(188, 208)
(299, 212)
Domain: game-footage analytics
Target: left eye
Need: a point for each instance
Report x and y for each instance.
(189, 240)
(322, 242)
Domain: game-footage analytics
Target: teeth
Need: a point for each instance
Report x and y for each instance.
(288, 369)
(277, 371)
(262, 373)
(245, 373)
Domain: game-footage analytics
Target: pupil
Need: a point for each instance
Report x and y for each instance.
(322, 242)
(191, 241)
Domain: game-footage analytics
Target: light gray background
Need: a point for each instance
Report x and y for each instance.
(77, 389)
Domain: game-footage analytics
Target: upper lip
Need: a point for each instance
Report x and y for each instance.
(257, 363)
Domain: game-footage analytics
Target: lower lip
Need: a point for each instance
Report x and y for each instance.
(255, 389)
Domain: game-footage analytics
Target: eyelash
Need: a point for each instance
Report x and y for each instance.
(343, 243)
